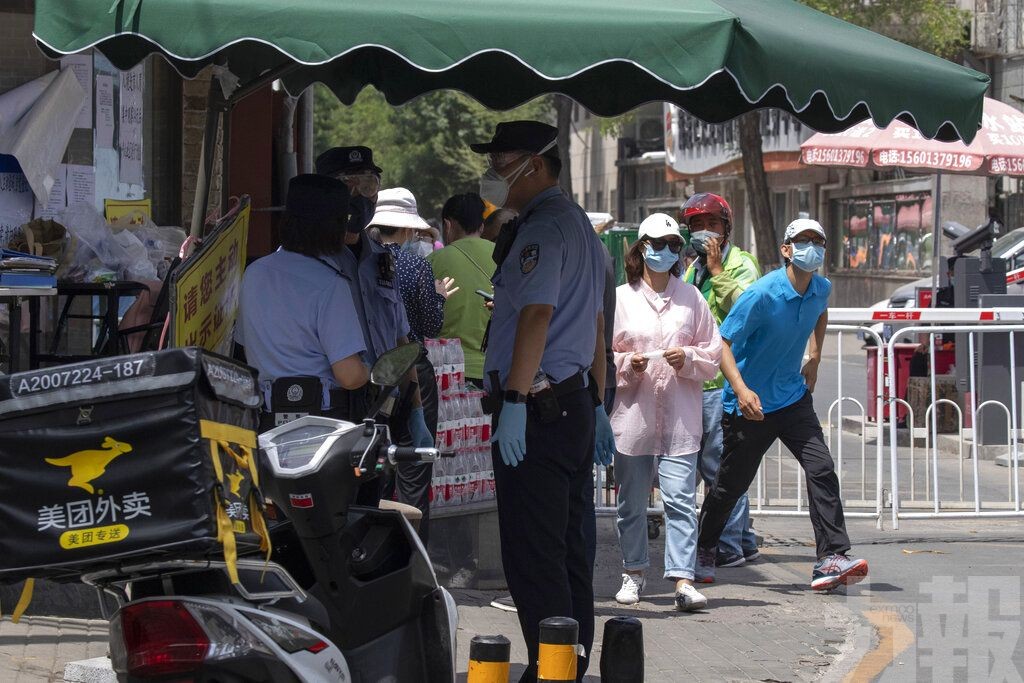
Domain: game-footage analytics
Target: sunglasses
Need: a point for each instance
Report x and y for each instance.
(366, 184)
(674, 245)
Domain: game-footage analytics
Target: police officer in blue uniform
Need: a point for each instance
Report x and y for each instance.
(295, 312)
(545, 337)
(370, 270)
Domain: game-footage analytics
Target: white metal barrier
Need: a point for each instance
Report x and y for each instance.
(778, 489)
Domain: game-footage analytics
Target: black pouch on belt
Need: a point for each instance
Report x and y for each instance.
(544, 405)
(491, 402)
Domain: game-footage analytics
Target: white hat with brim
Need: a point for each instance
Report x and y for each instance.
(396, 208)
(801, 225)
(658, 225)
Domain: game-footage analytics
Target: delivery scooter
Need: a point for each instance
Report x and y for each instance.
(349, 594)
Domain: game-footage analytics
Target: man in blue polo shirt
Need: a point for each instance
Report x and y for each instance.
(768, 397)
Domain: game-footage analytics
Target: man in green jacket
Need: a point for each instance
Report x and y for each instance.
(466, 259)
(722, 271)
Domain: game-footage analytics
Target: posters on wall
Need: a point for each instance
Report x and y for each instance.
(130, 126)
(16, 200)
(104, 111)
(81, 185)
(81, 65)
(57, 201)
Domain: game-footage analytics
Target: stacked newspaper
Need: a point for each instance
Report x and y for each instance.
(18, 269)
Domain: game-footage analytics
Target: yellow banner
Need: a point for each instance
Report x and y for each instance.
(207, 287)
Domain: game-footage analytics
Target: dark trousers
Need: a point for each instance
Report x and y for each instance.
(744, 444)
(410, 482)
(542, 504)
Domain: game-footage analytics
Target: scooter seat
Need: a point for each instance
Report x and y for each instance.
(412, 514)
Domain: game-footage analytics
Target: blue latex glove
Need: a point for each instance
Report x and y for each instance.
(421, 437)
(604, 439)
(511, 433)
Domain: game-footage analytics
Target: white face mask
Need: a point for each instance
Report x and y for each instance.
(494, 187)
(418, 247)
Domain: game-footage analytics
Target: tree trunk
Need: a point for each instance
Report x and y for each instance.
(563, 112)
(759, 198)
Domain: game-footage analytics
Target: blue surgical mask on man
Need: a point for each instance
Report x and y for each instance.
(660, 261)
(699, 240)
(808, 256)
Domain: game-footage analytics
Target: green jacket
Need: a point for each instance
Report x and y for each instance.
(739, 270)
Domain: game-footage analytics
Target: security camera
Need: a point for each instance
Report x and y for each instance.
(979, 238)
(954, 230)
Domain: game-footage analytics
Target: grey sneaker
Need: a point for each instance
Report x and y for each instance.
(688, 599)
(705, 565)
(632, 584)
(837, 570)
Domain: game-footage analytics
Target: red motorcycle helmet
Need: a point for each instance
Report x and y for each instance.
(707, 203)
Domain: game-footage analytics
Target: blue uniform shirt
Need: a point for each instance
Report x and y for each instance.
(376, 295)
(556, 259)
(769, 326)
(295, 318)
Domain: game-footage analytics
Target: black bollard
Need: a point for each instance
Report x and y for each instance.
(622, 651)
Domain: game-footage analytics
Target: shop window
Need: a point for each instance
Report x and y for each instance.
(890, 233)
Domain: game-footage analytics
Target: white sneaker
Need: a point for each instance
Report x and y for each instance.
(688, 599)
(629, 594)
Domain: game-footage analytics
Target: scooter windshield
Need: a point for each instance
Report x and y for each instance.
(297, 448)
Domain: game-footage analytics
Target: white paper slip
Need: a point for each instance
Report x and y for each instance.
(650, 355)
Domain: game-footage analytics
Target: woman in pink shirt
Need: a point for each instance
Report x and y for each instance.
(666, 345)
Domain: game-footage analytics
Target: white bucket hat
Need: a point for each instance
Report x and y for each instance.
(396, 208)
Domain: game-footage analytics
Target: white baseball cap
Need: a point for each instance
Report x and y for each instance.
(803, 225)
(659, 225)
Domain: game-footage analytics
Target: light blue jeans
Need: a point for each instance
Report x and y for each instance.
(677, 476)
(737, 539)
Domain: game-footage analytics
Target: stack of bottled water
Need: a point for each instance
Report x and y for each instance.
(462, 427)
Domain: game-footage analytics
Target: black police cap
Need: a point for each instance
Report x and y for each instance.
(346, 160)
(317, 197)
(514, 136)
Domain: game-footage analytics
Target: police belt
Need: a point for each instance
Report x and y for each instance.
(493, 400)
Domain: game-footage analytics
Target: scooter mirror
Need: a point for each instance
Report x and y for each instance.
(392, 365)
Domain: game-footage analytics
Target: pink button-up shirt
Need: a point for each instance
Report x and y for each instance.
(658, 411)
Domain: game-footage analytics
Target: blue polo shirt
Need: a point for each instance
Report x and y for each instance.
(769, 326)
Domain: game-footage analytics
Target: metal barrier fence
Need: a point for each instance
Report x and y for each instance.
(925, 476)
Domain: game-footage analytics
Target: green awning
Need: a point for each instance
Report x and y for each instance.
(715, 58)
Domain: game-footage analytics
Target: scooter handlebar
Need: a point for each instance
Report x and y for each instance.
(397, 454)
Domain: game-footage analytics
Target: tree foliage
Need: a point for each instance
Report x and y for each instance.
(934, 26)
(422, 145)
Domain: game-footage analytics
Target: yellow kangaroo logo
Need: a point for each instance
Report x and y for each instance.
(90, 464)
(235, 482)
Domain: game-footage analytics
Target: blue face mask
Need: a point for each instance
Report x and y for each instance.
(700, 239)
(660, 261)
(808, 256)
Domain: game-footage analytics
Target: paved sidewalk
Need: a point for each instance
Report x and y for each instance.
(762, 621)
(37, 648)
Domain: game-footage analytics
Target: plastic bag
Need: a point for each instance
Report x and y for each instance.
(96, 250)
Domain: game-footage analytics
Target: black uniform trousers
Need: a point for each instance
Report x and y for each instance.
(542, 505)
(744, 444)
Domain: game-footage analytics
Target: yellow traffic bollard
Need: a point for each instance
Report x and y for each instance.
(488, 659)
(556, 657)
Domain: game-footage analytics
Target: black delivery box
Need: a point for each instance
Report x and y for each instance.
(126, 459)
